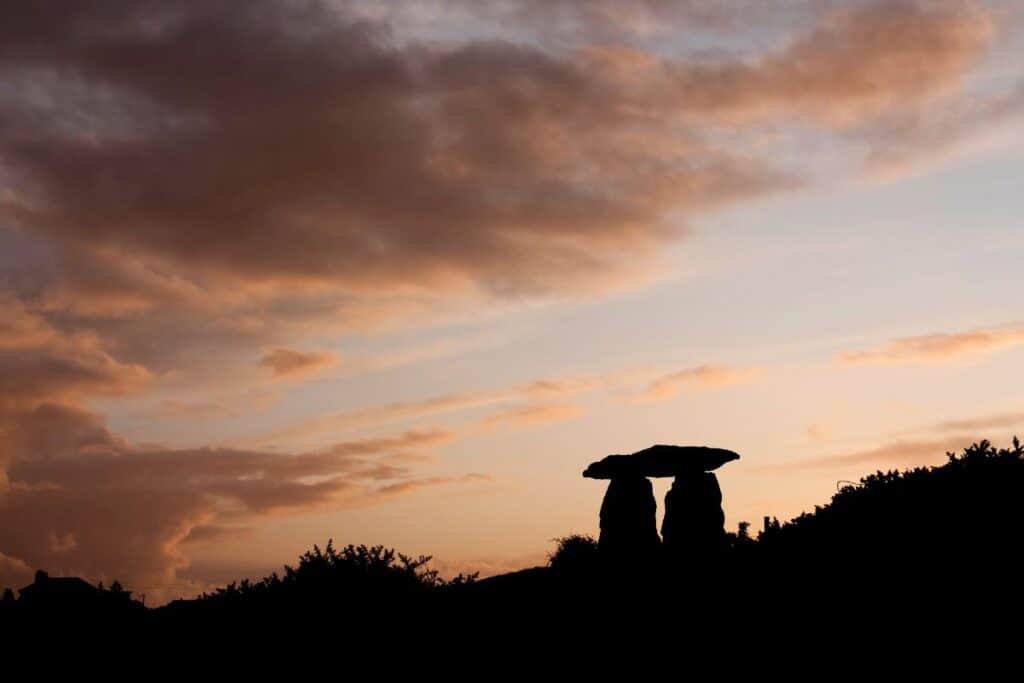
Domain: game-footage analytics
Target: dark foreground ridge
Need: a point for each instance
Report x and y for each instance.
(932, 542)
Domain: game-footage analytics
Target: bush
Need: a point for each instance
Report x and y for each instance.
(351, 573)
(573, 553)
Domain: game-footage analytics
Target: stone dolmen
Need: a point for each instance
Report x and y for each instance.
(694, 524)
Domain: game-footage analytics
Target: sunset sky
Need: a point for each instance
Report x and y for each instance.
(278, 272)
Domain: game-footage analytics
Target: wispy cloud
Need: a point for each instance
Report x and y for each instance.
(533, 414)
(938, 348)
(13, 572)
(519, 404)
(668, 386)
(894, 455)
(547, 390)
(999, 421)
(409, 486)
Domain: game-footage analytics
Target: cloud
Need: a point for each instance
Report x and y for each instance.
(891, 56)
(543, 390)
(519, 404)
(887, 53)
(532, 414)
(907, 141)
(484, 165)
(897, 454)
(291, 363)
(605, 21)
(14, 573)
(403, 487)
(384, 414)
(1000, 421)
(213, 533)
(20, 328)
(668, 386)
(26, 376)
(374, 167)
(39, 362)
(938, 348)
(912, 450)
(155, 189)
(201, 410)
(79, 500)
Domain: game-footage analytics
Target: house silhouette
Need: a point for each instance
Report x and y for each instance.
(72, 594)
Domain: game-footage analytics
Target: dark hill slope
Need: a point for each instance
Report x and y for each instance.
(964, 516)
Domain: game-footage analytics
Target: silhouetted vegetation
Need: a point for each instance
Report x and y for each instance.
(573, 553)
(967, 512)
(329, 576)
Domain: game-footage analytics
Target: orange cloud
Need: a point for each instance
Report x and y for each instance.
(1001, 421)
(38, 362)
(215, 533)
(911, 140)
(705, 376)
(291, 363)
(535, 401)
(174, 408)
(81, 500)
(453, 168)
(403, 487)
(898, 454)
(938, 348)
(865, 62)
(398, 181)
(543, 390)
(20, 328)
(532, 414)
(13, 573)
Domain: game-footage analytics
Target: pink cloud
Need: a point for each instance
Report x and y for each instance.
(938, 348)
(532, 414)
(668, 386)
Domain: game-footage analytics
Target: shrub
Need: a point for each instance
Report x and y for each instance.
(573, 553)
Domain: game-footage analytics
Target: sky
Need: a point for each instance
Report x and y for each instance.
(273, 273)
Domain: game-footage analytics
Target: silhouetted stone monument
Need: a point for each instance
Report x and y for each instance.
(629, 528)
(694, 523)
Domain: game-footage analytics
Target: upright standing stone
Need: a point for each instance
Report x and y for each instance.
(629, 528)
(694, 523)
